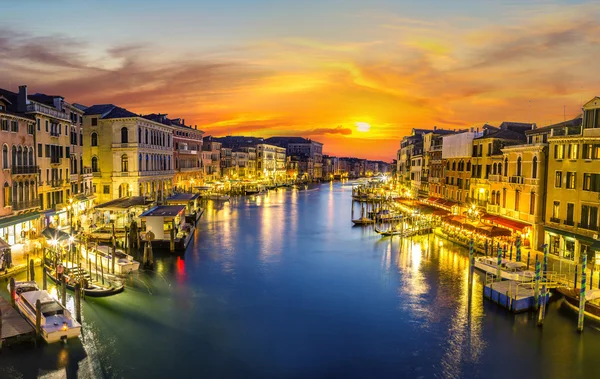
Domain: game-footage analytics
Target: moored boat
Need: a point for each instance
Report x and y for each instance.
(124, 264)
(57, 324)
(363, 221)
(74, 275)
(592, 301)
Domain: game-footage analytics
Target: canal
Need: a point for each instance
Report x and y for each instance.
(282, 286)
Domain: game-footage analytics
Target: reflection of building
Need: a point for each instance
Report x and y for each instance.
(187, 151)
(129, 155)
(573, 186)
(19, 212)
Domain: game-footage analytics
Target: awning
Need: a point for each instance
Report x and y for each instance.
(57, 234)
(13, 220)
(509, 224)
(4, 245)
(579, 237)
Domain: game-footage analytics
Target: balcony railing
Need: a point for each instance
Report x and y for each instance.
(569, 222)
(20, 205)
(16, 170)
(186, 151)
(554, 219)
(55, 183)
(74, 177)
(96, 174)
(587, 226)
(516, 179)
(532, 181)
(34, 107)
(54, 133)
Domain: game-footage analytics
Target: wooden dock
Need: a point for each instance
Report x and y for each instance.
(15, 328)
(514, 296)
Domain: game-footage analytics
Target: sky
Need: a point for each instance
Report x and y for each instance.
(355, 75)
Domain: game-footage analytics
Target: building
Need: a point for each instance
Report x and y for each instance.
(211, 158)
(270, 162)
(308, 153)
(187, 151)
(130, 155)
(19, 213)
(457, 165)
(573, 187)
(434, 166)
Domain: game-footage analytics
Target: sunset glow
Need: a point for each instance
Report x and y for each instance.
(330, 70)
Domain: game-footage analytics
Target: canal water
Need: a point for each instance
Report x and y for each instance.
(282, 286)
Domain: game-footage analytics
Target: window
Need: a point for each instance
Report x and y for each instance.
(588, 121)
(591, 182)
(124, 163)
(146, 136)
(94, 139)
(517, 199)
(505, 166)
(519, 166)
(573, 151)
(6, 193)
(555, 210)
(570, 180)
(453, 166)
(534, 167)
(124, 135)
(46, 126)
(5, 156)
(489, 152)
(504, 198)
(589, 217)
(95, 164)
(570, 211)
(586, 151)
(139, 135)
(4, 125)
(94, 121)
(559, 151)
(498, 198)
(106, 189)
(558, 179)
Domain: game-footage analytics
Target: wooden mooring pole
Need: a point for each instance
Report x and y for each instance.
(78, 302)
(44, 279)
(582, 294)
(32, 270)
(38, 319)
(63, 291)
(13, 294)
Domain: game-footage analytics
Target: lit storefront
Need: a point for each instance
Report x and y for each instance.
(19, 229)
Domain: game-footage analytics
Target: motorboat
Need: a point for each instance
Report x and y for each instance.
(57, 324)
(509, 270)
(217, 197)
(22, 287)
(124, 264)
(592, 301)
(363, 221)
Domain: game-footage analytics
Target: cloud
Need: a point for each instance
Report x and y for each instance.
(337, 130)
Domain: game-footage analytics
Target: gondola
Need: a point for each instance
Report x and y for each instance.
(92, 289)
(592, 308)
(363, 221)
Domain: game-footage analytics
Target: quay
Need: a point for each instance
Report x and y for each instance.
(14, 328)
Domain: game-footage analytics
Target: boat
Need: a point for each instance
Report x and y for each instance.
(90, 288)
(217, 197)
(592, 301)
(57, 324)
(22, 287)
(124, 264)
(509, 270)
(363, 221)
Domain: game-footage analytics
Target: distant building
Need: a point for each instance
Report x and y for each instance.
(307, 152)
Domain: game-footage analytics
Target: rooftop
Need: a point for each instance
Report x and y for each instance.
(124, 203)
(164, 211)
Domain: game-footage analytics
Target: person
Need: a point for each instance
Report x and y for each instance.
(60, 269)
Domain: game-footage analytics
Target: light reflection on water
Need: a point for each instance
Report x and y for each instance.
(281, 285)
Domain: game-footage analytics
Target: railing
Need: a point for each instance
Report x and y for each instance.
(20, 205)
(436, 148)
(186, 151)
(554, 219)
(515, 179)
(493, 208)
(55, 183)
(15, 170)
(74, 177)
(54, 133)
(531, 181)
(495, 178)
(54, 160)
(34, 107)
(587, 226)
(569, 222)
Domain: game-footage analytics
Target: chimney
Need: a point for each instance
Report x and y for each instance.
(58, 103)
(22, 99)
(183, 121)
(434, 127)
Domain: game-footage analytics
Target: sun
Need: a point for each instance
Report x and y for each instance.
(363, 127)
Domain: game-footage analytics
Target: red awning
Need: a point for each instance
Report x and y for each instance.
(509, 224)
(489, 217)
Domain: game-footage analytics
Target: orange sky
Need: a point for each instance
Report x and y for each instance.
(306, 74)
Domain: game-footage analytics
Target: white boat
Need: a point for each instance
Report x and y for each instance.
(124, 264)
(22, 287)
(217, 197)
(56, 321)
(509, 270)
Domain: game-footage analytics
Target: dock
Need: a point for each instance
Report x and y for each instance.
(514, 296)
(15, 328)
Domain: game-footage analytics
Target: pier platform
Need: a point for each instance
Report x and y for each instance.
(514, 296)
(15, 327)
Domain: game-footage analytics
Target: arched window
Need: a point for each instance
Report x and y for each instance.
(493, 197)
(95, 164)
(124, 135)
(31, 156)
(94, 139)
(468, 166)
(139, 163)
(146, 168)
(124, 163)
(532, 203)
(505, 166)
(519, 161)
(139, 135)
(19, 156)
(454, 166)
(6, 194)
(498, 198)
(534, 168)
(5, 156)
(494, 168)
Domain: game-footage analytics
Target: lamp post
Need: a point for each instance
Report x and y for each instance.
(54, 242)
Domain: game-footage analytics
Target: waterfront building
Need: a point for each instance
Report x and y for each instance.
(240, 164)
(573, 187)
(457, 165)
(331, 167)
(187, 151)
(309, 154)
(19, 213)
(270, 162)
(434, 166)
(517, 183)
(227, 166)
(487, 154)
(417, 162)
(251, 167)
(130, 155)
(211, 158)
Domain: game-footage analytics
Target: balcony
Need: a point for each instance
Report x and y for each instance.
(96, 174)
(587, 226)
(49, 111)
(186, 151)
(436, 148)
(22, 170)
(54, 133)
(493, 208)
(532, 181)
(516, 179)
(554, 219)
(55, 183)
(569, 223)
(21, 205)
(74, 177)
(54, 160)
(189, 169)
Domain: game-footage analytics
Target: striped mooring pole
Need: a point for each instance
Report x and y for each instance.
(545, 259)
(498, 270)
(536, 292)
(582, 295)
(518, 257)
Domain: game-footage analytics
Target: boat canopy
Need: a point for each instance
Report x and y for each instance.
(592, 295)
(57, 234)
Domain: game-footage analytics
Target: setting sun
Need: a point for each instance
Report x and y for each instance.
(363, 127)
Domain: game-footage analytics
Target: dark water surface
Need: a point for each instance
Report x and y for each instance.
(282, 286)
